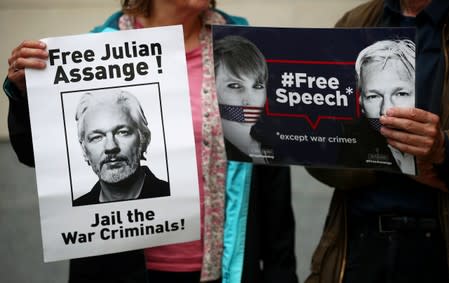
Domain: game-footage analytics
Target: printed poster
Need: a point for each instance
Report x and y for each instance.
(313, 96)
(113, 143)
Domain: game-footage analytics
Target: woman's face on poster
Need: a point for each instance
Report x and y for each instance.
(245, 91)
(386, 86)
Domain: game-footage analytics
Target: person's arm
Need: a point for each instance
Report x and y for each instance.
(19, 125)
(363, 15)
(443, 168)
(29, 54)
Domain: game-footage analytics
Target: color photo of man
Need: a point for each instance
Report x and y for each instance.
(114, 135)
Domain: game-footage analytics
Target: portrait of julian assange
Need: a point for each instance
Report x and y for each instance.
(385, 78)
(114, 136)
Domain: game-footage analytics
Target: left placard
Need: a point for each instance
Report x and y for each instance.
(113, 143)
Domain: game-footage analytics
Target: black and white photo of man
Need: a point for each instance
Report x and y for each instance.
(114, 135)
(386, 78)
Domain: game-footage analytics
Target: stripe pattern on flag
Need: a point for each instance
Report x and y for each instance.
(242, 114)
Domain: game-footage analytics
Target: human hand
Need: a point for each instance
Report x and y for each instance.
(417, 132)
(29, 54)
(414, 131)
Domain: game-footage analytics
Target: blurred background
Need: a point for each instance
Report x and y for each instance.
(20, 234)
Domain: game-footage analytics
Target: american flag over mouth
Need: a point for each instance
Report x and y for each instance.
(242, 114)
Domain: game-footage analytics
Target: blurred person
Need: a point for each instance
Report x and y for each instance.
(385, 227)
(185, 262)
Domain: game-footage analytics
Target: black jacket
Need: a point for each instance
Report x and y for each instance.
(152, 188)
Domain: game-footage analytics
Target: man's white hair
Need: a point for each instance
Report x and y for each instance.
(383, 51)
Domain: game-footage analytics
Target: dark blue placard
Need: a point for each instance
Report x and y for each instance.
(313, 132)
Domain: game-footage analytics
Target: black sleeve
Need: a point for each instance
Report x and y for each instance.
(271, 228)
(443, 168)
(19, 126)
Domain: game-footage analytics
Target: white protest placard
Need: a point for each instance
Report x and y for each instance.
(113, 143)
